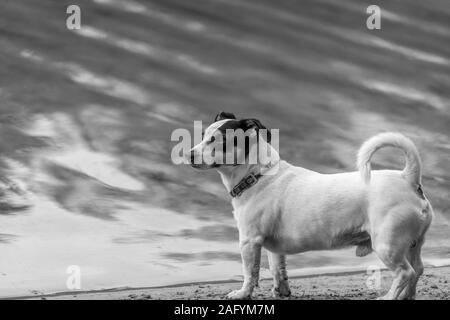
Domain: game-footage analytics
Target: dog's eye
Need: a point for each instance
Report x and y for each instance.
(212, 139)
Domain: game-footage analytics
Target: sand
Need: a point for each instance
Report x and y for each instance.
(434, 284)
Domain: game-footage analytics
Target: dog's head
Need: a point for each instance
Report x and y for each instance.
(226, 142)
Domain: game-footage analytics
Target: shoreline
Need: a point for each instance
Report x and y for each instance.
(434, 284)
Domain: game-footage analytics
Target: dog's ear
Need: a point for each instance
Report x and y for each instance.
(224, 115)
(247, 124)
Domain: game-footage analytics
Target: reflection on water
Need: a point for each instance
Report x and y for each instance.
(6, 238)
(86, 118)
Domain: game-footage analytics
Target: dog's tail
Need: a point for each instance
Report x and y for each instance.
(413, 167)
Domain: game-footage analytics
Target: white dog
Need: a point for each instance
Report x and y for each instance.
(288, 209)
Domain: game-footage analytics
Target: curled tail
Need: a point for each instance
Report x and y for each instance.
(413, 167)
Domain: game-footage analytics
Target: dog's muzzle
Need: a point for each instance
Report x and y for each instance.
(191, 160)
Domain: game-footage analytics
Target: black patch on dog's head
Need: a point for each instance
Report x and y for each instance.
(247, 124)
(244, 124)
(223, 116)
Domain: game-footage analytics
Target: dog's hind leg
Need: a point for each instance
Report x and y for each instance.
(403, 272)
(414, 254)
(277, 265)
(415, 260)
(395, 259)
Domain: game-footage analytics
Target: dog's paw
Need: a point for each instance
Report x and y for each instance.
(281, 291)
(239, 295)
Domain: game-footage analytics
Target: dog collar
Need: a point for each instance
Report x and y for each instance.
(245, 184)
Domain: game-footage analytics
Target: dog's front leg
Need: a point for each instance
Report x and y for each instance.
(251, 258)
(277, 263)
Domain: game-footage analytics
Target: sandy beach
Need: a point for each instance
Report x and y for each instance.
(433, 285)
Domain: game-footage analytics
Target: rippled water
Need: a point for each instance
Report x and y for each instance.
(86, 118)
